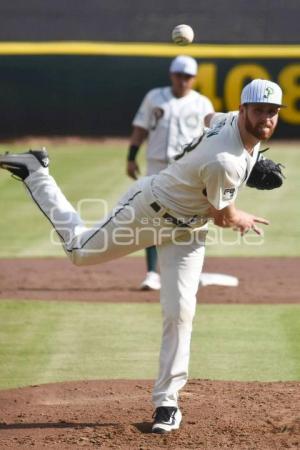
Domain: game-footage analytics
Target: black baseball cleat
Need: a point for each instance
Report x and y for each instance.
(21, 165)
(166, 419)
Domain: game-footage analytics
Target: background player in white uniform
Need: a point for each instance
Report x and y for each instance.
(168, 210)
(169, 117)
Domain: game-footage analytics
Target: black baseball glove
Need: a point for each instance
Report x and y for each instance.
(266, 174)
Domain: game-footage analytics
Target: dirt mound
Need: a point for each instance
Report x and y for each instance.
(262, 280)
(117, 414)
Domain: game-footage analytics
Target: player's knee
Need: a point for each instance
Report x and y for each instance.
(181, 313)
(186, 315)
(77, 258)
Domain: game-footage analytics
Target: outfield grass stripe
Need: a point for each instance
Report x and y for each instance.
(250, 342)
(86, 172)
(56, 341)
(26, 341)
(102, 175)
(290, 322)
(93, 171)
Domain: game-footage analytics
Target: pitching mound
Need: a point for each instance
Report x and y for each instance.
(117, 414)
(262, 280)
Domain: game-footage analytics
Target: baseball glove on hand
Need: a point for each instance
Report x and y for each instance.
(266, 174)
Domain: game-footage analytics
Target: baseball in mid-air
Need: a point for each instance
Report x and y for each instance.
(183, 35)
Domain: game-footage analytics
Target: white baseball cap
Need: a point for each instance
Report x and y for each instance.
(262, 91)
(184, 64)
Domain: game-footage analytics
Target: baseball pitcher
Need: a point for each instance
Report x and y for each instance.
(170, 210)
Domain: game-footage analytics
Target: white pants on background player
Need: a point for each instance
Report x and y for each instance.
(180, 263)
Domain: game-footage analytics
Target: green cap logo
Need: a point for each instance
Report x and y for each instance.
(268, 92)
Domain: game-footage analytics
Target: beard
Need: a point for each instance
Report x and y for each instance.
(261, 131)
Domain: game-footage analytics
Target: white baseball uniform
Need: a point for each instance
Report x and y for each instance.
(168, 210)
(171, 123)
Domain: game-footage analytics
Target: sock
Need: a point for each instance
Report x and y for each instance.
(151, 257)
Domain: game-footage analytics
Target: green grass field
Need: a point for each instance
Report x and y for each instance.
(48, 341)
(54, 341)
(92, 171)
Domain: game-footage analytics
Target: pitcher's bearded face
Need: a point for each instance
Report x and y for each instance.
(261, 119)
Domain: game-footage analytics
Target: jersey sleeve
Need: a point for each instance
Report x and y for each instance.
(143, 115)
(217, 118)
(221, 181)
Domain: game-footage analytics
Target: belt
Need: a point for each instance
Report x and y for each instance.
(179, 223)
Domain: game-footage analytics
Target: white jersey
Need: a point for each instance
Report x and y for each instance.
(171, 122)
(210, 173)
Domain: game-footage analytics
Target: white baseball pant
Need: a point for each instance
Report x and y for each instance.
(134, 224)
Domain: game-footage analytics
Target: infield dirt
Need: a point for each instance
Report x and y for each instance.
(117, 414)
(262, 280)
